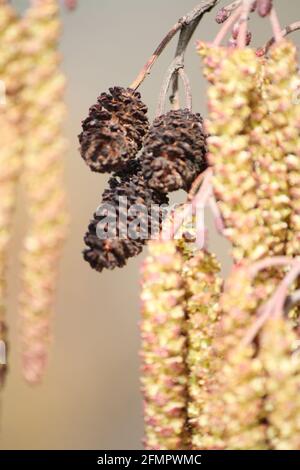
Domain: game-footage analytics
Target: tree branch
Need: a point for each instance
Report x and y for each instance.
(184, 39)
(187, 89)
(194, 15)
(287, 30)
(174, 67)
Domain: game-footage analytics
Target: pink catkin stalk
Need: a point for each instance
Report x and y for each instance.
(43, 178)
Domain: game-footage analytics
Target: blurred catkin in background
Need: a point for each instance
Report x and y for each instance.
(33, 147)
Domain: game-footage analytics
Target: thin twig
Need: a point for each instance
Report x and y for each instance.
(204, 7)
(282, 291)
(277, 304)
(264, 314)
(173, 68)
(184, 38)
(226, 27)
(187, 88)
(247, 4)
(275, 25)
(195, 186)
(233, 6)
(219, 221)
(269, 262)
(291, 28)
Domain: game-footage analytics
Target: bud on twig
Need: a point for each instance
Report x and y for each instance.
(264, 7)
(71, 4)
(222, 15)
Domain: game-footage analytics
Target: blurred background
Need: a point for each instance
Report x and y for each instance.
(90, 396)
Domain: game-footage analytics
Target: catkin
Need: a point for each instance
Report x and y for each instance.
(43, 179)
(233, 409)
(203, 286)
(279, 353)
(232, 73)
(164, 374)
(285, 113)
(11, 77)
(270, 167)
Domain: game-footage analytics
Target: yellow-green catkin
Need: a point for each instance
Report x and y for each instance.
(278, 134)
(11, 82)
(284, 112)
(233, 79)
(279, 353)
(43, 178)
(203, 285)
(271, 170)
(164, 374)
(233, 410)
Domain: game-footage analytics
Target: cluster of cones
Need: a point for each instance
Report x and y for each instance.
(173, 155)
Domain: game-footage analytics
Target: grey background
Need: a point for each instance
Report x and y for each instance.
(90, 396)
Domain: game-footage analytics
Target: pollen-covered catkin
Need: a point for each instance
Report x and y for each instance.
(233, 409)
(271, 170)
(164, 374)
(203, 286)
(232, 73)
(11, 82)
(43, 178)
(279, 353)
(284, 110)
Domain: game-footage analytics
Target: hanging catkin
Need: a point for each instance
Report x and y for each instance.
(269, 163)
(203, 286)
(280, 357)
(43, 178)
(232, 413)
(11, 76)
(232, 74)
(284, 109)
(164, 379)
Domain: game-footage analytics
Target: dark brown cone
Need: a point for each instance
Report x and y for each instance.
(113, 132)
(114, 252)
(174, 151)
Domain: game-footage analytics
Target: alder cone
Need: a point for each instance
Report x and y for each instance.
(174, 151)
(113, 132)
(115, 251)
